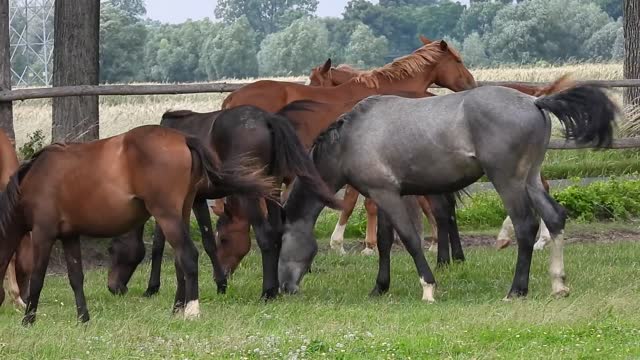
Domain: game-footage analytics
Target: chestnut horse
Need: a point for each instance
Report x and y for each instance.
(14, 281)
(147, 171)
(271, 141)
(435, 62)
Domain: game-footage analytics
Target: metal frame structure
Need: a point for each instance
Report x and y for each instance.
(31, 36)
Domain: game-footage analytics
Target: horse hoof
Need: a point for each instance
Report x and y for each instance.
(339, 249)
(28, 319)
(516, 293)
(502, 244)
(83, 318)
(561, 292)
(433, 249)
(192, 310)
(151, 291)
(222, 287)
(368, 252)
(270, 294)
(118, 290)
(378, 290)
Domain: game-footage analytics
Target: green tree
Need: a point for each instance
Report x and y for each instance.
(543, 30)
(365, 50)
(617, 51)
(477, 18)
(474, 52)
(340, 31)
(611, 7)
(122, 41)
(265, 16)
(232, 53)
(599, 46)
(294, 50)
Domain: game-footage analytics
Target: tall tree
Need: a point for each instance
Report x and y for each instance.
(131, 7)
(76, 62)
(365, 50)
(295, 50)
(265, 16)
(232, 53)
(632, 48)
(122, 40)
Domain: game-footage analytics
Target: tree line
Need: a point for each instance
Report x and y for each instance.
(252, 38)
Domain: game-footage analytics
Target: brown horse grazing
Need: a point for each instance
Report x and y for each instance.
(271, 141)
(148, 171)
(435, 62)
(16, 276)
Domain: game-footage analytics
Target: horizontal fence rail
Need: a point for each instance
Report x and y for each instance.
(167, 89)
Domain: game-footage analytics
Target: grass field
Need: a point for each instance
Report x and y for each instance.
(334, 318)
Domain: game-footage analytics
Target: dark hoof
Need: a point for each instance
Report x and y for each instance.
(517, 293)
(443, 263)
(118, 290)
(178, 307)
(269, 294)
(152, 290)
(29, 319)
(83, 318)
(379, 291)
(222, 286)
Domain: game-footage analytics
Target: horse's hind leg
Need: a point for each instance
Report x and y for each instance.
(370, 240)
(512, 190)
(186, 260)
(127, 252)
(385, 241)
(394, 207)
(73, 257)
(441, 213)
(425, 204)
(554, 216)
(42, 243)
(454, 236)
(157, 251)
(337, 237)
(201, 211)
(268, 234)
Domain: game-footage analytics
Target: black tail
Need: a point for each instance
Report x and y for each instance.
(290, 158)
(586, 112)
(235, 176)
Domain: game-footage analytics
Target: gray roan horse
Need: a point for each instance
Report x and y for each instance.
(390, 146)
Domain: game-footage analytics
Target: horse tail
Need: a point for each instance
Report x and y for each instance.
(586, 112)
(290, 157)
(562, 83)
(235, 176)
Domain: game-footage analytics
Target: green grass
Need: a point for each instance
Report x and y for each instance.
(334, 318)
(564, 164)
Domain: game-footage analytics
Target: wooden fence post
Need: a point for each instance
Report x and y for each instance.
(6, 108)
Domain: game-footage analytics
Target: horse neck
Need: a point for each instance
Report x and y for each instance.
(302, 205)
(351, 91)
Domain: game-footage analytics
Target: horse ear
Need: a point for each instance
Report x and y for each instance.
(443, 45)
(327, 66)
(425, 40)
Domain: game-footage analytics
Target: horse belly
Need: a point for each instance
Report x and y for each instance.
(106, 217)
(444, 176)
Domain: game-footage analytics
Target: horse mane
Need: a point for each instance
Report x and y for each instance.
(330, 135)
(407, 66)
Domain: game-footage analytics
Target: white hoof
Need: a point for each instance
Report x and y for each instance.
(19, 303)
(433, 248)
(368, 252)
(427, 291)
(560, 290)
(192, 310)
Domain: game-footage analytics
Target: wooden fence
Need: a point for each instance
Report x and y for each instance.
(8, 96)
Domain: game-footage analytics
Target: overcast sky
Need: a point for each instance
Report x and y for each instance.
(172, 11)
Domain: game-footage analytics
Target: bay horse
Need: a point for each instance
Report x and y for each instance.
(390, 146)
(271, 141)
(15, 278)
(435, 62)
(325, 75)
(147, 171)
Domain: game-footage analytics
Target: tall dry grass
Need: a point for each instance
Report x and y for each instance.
(121, 113)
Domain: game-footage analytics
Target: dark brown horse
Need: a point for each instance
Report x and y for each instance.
(148, 171)
(272, 143)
